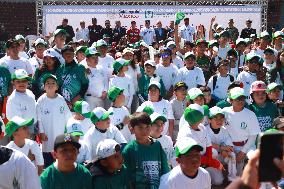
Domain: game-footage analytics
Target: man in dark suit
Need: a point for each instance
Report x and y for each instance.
(108, 31)
(118, 32)
(246, 32)
(161, 33)
(95, 31)
(69, 30)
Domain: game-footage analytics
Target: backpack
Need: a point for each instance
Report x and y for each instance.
(215, 80)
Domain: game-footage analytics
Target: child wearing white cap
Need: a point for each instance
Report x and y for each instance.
(101, 130)
(108, 170)
(75, 128)
(189, 173)
(222, 145)
(242, 125)
(120, 116)
(37, 60)
(22, 101)
(53, 114)
(194, 115)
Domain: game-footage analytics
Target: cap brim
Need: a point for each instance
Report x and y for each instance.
(22, 78)
(77, 133)
(87, 115)
(238, 96)
(195, 96)
(75, 144)
(160, 118)
(276, 86)
(184, 151)
(219, 113)
(106, 116)
(29, 122)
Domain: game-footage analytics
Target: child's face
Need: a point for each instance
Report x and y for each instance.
(274, 94)
(259, 97)
(114, 162)
(154, 93)
(120, 99)
(80, 56)
(189, 62)
(142, 131)
(181, 93)
(190, 162)
(22, 133)
(66, 154)
(49, 61)
(207, 97)
(269, 57)
(217, 121)
(157, 128)
(199, 100)
(124, 69)
(21, 85)
(50, 86)
(223, 69)
(103, 124)
(239, 103)
(149, 70)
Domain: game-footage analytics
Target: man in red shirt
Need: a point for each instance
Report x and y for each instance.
(133, 33)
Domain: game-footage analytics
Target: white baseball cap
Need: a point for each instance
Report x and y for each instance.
(74, 128)
(50, 52)
(150, 62)
(106, 148)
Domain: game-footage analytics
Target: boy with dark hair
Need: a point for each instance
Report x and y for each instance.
(145, 158)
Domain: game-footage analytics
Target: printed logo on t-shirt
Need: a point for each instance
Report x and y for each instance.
(151, 171)
(244, 125)
(46, 111)
(61, 109)
(165, 111)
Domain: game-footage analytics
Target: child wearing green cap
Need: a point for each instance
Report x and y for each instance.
(17, 129)
(21, 102)
(53, 114)
(222, 146)
(274, 91)
(144, 158)
(189, 173)
(120, 116)
(80, 53)
(194, 128)
(123, 81)
(6, 86)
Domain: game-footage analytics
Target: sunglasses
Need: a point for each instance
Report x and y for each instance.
(165, 55)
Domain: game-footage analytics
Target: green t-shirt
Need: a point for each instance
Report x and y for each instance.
(51, 178)
(265, 115)
(118, 180)
(5, 81)
(70, 79)
(145, 164)
(204, 63)
(143, 84)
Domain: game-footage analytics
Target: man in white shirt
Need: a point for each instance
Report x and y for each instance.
(14, 62)
(82, 33)
(16, 170)
(37, 60)
(242, 125)
(187, 32)
(190, 74)
(147, 33)
(98, 80)
(188, 174)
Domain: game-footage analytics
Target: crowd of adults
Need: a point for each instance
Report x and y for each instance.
(161, 107)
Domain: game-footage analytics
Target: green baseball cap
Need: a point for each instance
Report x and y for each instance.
(185, 144)
(113, 93)
(83, 108)
(156, 116)
(179, 17)
(215, 111)
(147, 109)
(101, 42)
(252, 55)
(21, 74)
(189, 54)
(272, 86)
(119, 63)
(15, 123)
(193, 93)
(236, 93)
(91, 51)
(277, 34)
(201, 41)
(193, 114)
(81, 49)
(99, 114)
(59, 31)
(47, 76)
(74, 128)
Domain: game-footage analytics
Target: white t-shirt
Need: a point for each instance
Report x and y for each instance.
(221, 138)
(23, 54)
(167, 74)
(93, 137)
(35, 62)
(148, 35)
(84, 153)
(14, 65)
(133, 74)
(178, 62)
(22, 105)
(32, 146)
(53, 114)
(221, 87)
(192, 78)
(98, 81)
(106, 63)
(187, 32)
(86, 124)
(202, 137)
(167, 145)
(241, 125)
(117, 117)
(18, 172)
(162, 107)
(176, 179)
(126, 84)
(247, 78)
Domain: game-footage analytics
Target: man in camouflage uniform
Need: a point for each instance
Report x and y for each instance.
(233, 31)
